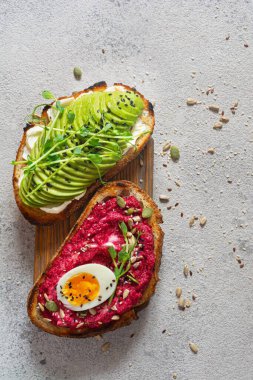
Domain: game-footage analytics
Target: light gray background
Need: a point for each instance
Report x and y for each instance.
(155, 45)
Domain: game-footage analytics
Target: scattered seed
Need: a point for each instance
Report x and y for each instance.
(92, 311)
(146, 213)
(241, 265)
(191, 102)
(178, 292)
(62, 314)
(125, 293)
(182, 214)
(186, 270)
(181, 303)
(177, 183)
(51, 306)
(211, 150)
(202, 221)
(103, 51)
(163, 198)
(106, 346)
(174, 376)
(246, 45)
(187, 303)
(166, 147)
(194, 296)
(114, 308)
(192, 221)
(80, 325)
(77, 73)
(115, 318)
(224, 119)
(174, 153)
(47, 319)
(214, 108)
(41, 306)
(121, 202)
(217, 125)
(193, 347)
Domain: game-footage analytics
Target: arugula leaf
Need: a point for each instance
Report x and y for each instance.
(77, 151)
(112, 252)
(123, 228)
(47, 94)
(95, 158)
(71, 116)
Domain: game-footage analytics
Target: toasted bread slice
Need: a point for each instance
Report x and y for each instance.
(112, 189)
(38, 216)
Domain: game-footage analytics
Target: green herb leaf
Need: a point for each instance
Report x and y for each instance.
(147, 212)
(48, 145)
(94, 142)
(123, 255)
(123, 228)
(107, 127)
(77, 151)
(54, 157)
(112, 252)
(95, 158)
(71, 116)
(47, 94)
(117, 272)
(59, 107)
(58, 138)
(84, 132)
(51, 306)
(121, 202)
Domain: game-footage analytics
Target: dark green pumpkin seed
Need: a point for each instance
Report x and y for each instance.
(77, 73)
(121, 202)
(147, 212)
(174, 153)
(51, 306)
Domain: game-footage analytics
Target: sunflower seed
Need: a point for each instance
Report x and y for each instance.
(214, 108)
(191, 102)
(62, 314)
(181, 303)
(46, 297)
(130, 222)
(163, 198)
(224, 119)
(92, 311)
(41, 306)
(217, 125)
(187, 303)
(125, 293)
(133, 259)
(186, 270)
(80, 325)
(114, 307)
(47, 319)
(210, 150)
(191, 221)
(121, 202)
(178, 292)
(202, 221)
(106, 346)
(193, 347)
(137, 218)
(166, 147)
(115, 318)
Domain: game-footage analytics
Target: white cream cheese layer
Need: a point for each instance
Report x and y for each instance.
(33, 134)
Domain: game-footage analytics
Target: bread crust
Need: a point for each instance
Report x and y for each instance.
(39, 217)
(112, 189)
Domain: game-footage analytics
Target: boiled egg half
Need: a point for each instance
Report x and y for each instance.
(86, 286)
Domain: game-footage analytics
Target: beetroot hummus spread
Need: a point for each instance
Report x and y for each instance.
(90, 245)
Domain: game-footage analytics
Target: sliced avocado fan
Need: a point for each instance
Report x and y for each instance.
(78, 146)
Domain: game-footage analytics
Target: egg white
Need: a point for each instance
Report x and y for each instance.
(104, 276)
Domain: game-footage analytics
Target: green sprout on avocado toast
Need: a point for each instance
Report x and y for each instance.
(78, 145)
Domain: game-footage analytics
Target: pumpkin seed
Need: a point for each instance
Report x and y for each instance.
(121, 202)
(193, 347)
(77, 73)
(147, 212)
(163, 198)
(51, 306)
(202, 221)
(130, 211)
(178, 292)
(191, 221)
(224, 119)
(125, 293)
(217, 125)
(174, 153)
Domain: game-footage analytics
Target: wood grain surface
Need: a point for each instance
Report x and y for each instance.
(49, 238)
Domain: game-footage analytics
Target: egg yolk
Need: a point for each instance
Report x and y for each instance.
(81, 288)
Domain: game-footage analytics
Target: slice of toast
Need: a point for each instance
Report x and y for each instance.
(38, 216)
(113, 189)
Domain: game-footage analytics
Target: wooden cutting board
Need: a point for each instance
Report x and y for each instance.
(49, 238)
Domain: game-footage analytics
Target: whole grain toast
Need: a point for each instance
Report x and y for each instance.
(112, 189)
(40, 217)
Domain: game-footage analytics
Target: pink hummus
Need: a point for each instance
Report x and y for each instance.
(90, 245)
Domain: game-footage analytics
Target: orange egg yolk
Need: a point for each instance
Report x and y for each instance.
(81, 288)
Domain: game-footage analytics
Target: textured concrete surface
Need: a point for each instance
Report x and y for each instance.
(157, 46)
